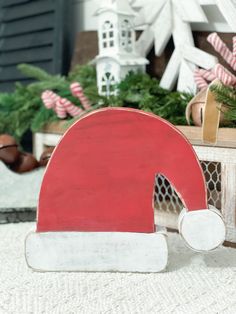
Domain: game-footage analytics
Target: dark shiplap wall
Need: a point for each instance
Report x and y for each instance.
(32, 31)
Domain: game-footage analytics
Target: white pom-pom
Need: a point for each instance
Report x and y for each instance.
(202, 230)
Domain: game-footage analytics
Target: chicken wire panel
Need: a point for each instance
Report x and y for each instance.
(212, 172)
(167, 200)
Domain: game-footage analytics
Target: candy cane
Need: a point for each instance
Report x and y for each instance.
(222, 49)
(60, 109)
(234, 46)
(49, 99)
(60, 105)
(202, 76)
(77, 91)
(208, 75)
(52, 101)
(224, 75)
(69, 107)
(200, 81)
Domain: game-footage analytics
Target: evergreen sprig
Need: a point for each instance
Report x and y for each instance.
(23, 109)
(227, 96)
(140, 91)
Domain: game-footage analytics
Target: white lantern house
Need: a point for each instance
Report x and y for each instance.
(116, 36)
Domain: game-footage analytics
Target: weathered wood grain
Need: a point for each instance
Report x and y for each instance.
(226, 136)
(110, 157)
(228, 177)
(97, 251)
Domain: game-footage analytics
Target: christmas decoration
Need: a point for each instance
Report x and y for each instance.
(8, 149)
(211, 117)
(99, 216)
(164, 19)
(26, 162)
(202, 77)
(45, 156)
(196, 108)
(77, 91)
(204, 107)
(227, 96)
(23, 109)
(190, 11)
(17, 160)
(60, 105)
(173, 17)
(117, 53)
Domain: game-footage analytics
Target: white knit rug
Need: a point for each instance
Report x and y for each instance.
(193, 283)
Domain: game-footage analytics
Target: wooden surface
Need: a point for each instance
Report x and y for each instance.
(228, 174)
(226, 136)
(101, 175)
(57, 127)
(41, 141)
(226, 157)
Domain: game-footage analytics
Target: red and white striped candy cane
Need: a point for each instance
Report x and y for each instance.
(77, 91)
(69, 107)
(222, 49)
(52, 101)
(49, 99)
(199, 80)
(59, 109)
(60, 105)
(234, 46)
(208, 75)
(202, 77)
(224, 75)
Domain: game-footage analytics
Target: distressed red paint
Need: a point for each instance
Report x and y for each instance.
(101, 175)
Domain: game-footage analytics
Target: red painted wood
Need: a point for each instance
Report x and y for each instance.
(101, 175)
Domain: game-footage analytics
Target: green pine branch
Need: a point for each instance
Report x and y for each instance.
(227, 96)
(23, 109)
(34, 72)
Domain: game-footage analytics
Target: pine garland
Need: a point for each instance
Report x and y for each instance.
(227, 96)
(140, 91)
(23, 109)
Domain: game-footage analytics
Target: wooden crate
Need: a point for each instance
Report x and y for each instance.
(219, 165)
(50, 135)
(218, 162)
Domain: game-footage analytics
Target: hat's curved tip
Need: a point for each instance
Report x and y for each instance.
(202, 230)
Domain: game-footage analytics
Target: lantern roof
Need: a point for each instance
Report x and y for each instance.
(124, 59)
(118, 6)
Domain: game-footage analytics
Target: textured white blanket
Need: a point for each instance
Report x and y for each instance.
(193, 283)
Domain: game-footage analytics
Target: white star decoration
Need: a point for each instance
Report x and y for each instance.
(165, 18)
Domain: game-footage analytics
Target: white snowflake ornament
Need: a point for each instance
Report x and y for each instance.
(172, 18)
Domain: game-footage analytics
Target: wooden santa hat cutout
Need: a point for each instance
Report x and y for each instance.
(95, 210)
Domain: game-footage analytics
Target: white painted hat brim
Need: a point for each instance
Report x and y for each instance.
(97, 251)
